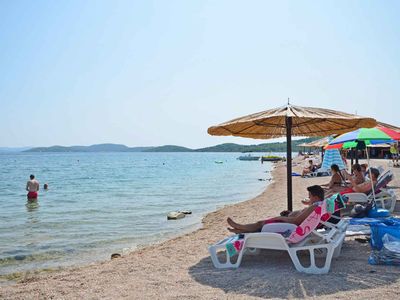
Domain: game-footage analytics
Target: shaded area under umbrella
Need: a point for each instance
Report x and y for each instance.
(363, 137)
(291, 121)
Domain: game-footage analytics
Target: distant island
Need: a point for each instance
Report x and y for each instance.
(227, 147)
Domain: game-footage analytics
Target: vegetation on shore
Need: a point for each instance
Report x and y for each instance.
(227, 147)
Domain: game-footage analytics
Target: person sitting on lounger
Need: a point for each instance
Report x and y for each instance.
(358, 175)
(309, 169)
(364, 187)
(316, 195)
(336, 179)
(364, 169)
(337, 183)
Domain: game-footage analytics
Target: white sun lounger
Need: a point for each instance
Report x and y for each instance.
(386, 198)
(318, 243)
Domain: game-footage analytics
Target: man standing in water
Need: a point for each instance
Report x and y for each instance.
(32, 186)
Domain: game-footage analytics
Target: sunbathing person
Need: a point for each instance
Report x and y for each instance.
(364, 169)
(364, 187)
(336, 184)
(308, 169)
(316, 195)
(336, 179)
(358, 175)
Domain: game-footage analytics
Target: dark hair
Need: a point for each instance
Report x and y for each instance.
(335, 167)
(316, 190)
(32, 176)
(375, 172)
(356, 167)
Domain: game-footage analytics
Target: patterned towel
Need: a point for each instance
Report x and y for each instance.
(235, 245)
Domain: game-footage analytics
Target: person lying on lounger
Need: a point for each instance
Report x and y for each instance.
(364, 187)
(316, 195)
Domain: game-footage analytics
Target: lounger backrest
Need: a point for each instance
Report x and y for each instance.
(310, 223)
(321, 213)
(383, 181)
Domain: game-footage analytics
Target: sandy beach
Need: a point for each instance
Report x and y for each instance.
(181, 268)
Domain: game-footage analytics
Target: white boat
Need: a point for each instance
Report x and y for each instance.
(248, 157)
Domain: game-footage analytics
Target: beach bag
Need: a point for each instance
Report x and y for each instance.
(385, 243)
(362, 210)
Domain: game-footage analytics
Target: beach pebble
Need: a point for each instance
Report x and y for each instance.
(175, 215)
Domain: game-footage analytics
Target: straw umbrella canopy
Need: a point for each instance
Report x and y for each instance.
(317, 143)
(291, 121)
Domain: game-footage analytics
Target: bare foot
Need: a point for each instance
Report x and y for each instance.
(232, 223)
(234, 230)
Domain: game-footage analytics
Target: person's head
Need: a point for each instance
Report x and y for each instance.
(374, 174)
(32, 177)
(315, 193)
(335, 168)
(356, 168)
(45, 186)
(364, 167)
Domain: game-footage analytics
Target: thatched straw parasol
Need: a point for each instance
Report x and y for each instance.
(291, 121)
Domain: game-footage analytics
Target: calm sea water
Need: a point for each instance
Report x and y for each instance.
(101, 203)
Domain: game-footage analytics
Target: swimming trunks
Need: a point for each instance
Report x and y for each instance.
(32, 195)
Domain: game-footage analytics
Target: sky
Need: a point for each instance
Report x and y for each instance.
(149, 73)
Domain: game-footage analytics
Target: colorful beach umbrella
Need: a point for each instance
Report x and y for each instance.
(291, 121)
(369, 136)
(365, 137)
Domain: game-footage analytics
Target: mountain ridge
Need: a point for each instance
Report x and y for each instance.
(225, 147)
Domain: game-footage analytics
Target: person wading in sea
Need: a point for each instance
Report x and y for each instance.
(32, 186)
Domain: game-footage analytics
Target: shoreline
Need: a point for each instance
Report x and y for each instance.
(181, 267)
(15, 277)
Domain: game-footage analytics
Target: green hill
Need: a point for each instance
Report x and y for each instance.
(169, 148)
(92, 148)
(266, 147)
(227, 147)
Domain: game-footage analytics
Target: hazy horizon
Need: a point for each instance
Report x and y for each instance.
(150, 73)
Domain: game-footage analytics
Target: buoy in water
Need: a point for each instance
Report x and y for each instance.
(175, 215)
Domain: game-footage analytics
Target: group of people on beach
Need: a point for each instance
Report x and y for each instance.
(32, 187)
(341, 182)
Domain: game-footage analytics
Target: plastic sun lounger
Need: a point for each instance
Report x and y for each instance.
(325, 243)
(320, 172)
(384, 199)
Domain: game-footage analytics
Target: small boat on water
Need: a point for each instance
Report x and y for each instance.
(271, 158)
(248, 157)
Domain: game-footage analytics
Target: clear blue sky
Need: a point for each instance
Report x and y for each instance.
(145, 73)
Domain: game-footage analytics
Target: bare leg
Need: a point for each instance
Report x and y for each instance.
(237, 231)
(254, 227)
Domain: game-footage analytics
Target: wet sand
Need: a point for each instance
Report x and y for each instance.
(182, 268)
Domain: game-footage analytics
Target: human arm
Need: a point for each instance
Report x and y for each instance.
(296, 219)
(363, 187)
(27, 186)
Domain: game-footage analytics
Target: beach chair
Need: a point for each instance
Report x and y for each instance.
(384, 198)
(320, 172)
(318, 243)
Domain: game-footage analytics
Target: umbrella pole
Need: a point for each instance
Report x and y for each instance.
(289, 162)
(370, 175)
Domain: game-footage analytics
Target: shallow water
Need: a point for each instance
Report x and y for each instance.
(100, 203)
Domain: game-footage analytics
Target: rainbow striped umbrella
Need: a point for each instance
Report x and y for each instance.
(369, 136)
(366, 136)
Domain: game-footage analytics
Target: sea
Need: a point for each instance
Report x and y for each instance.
(103, 203)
